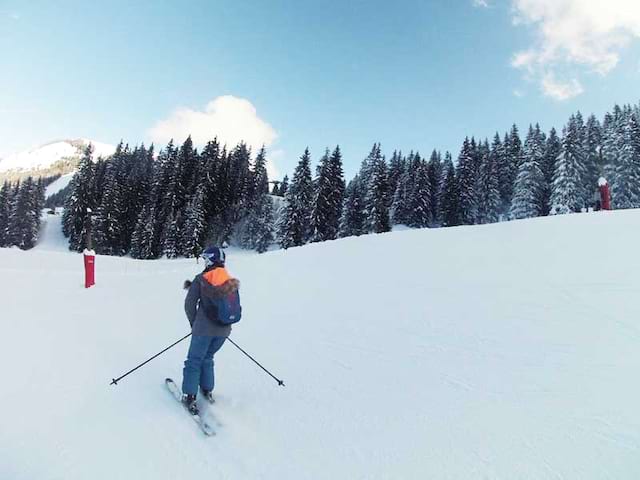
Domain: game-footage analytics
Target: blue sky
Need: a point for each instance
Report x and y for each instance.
(409, 74)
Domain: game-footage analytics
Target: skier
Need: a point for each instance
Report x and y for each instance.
(208, 332)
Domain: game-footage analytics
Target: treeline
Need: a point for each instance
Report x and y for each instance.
(176, 204)
(21, 204)
(506, 179)
(171, 206)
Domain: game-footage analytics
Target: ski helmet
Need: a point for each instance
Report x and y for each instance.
(212, 256)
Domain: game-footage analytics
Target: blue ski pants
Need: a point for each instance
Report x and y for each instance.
(198, 367)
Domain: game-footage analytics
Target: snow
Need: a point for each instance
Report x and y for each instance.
(498, 351)
(59, 184)
(46, 155)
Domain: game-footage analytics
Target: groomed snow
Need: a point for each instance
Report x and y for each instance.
(503, 351)
(59, 184)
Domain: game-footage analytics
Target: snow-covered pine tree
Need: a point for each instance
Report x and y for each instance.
(401, 206)
(553, 149)
(592, 148)
(194, 232)
(138, 190)
(450, 197)
(352, 221)
(488, 184)
(466, 182)
(376, 199)
(145, 239)
(260, 224)
(259, 181)
(567, 195)
(420, 211)
(284, 186)
(625, 187)
(295, 229)
(76, 217)
(613, 130)
(214, 178)
(435, 178)
(328, 197)
(24, 218)
(108, 228)
(511, 159)
(4, 213)
(396, 170)
(320, 202)
(170, 237)
(187, 168)
(336, 197)
(529, 186)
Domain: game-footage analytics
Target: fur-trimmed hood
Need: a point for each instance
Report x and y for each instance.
(216, 291)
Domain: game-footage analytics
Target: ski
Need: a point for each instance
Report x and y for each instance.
(176, 392)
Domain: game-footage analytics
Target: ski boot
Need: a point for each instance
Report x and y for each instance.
(208, 395)
(189, 401)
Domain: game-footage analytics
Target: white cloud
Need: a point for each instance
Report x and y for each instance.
(480, 3)
(580, 33)
(231, 119)
(518, 93)
(560, 90)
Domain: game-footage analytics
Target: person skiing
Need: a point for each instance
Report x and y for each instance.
(208, 331)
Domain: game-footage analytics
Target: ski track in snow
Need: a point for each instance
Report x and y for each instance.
(502, 351)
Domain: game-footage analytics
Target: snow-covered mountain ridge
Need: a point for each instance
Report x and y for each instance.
(61, 155)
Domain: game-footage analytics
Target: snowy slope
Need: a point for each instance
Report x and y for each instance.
(45, 156)
(58, 185)
(503, 351)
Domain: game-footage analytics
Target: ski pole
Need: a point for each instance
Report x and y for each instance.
(280, 382)
(116, 380)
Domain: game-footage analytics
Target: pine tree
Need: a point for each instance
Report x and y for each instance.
(81, 201)
(625, 188)
(284, 186)
(435, 178)
(450, 197)
(328, 197)
(396, 171)
(145, 239)
(553, 149)
(296, 223)
(528, 189)
(259, 182)
(376, 198)
(566, 194)
(260, 225)
(24, 218)
(401, 206)
(508, 171)
(488, 186)
(420, 200)
(466, 183)
(353, 219)
(194, 232)
(170, 237)
(592, 157)
(4, 214)
(110, 218)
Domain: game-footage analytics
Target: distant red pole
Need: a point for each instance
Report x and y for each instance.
(605, 194)
(89, 268)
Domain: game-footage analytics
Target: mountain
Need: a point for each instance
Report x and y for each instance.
(50, 159)
(500, 351)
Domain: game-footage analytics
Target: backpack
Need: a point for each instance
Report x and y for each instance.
(229, 308)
